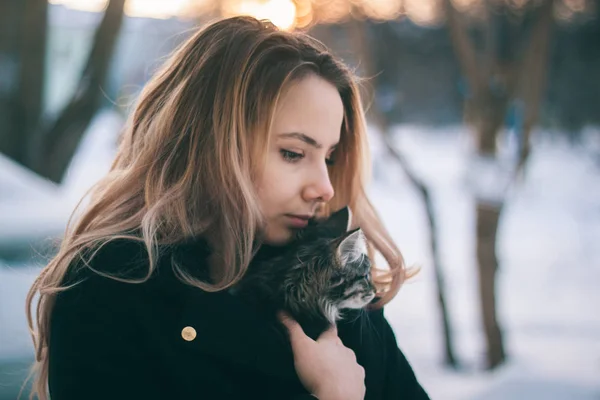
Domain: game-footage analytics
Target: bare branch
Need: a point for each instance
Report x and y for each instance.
(533, 76)
(464, 48)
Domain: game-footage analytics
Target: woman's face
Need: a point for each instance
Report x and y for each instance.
(295, 182)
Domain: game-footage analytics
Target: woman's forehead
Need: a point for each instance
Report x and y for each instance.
(311, 107)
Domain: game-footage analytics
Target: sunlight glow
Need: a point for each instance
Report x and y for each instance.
(472, 8)
(423, 12)
(382, 9)
(464, 5)
(332, 11)
(282, 13)
(287, 14)
(155, 8)
(304, 13)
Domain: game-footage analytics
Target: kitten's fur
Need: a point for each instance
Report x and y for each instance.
(322, 272)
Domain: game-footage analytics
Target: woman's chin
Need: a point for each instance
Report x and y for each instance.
(279, 236)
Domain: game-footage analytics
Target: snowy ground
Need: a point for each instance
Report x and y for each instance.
(548, 283)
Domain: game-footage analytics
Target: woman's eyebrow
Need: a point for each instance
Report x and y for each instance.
(305, 138)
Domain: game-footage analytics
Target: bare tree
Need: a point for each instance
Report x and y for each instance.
(513, 65)
(47, 148)
(22, 53)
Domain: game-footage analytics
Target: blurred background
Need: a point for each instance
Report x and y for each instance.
(484, 121)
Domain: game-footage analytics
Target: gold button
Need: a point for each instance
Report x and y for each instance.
(188, 333)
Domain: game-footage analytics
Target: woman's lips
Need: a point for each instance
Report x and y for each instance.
(297, 221)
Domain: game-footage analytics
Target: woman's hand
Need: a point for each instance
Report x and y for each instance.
(326, 367)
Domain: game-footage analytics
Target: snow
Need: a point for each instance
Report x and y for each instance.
(548, 252)
(32, 207)
(548, 279)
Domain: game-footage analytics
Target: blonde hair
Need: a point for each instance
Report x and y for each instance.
(190, 153)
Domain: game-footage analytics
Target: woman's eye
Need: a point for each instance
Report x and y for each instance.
(291, 156)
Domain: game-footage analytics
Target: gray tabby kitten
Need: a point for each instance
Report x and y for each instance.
(323, 272)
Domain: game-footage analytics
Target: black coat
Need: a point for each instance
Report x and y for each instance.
(116, 340)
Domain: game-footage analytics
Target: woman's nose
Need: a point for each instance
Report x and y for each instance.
(320, 187)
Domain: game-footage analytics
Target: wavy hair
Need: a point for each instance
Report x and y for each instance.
(189, 154)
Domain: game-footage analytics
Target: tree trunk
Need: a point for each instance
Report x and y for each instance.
(56, 146)
(486, 109)
(533, 78)
(487, 228)
(22, 54)
(490, 119)
(494, 87)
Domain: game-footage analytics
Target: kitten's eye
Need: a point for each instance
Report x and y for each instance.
(291, 156)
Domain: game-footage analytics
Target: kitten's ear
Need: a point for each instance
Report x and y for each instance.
(352, 247)
(339, 221)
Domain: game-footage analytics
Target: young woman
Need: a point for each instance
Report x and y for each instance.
(244, 134)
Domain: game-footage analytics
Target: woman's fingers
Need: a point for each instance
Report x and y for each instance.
(325, 367)
(288, 321)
